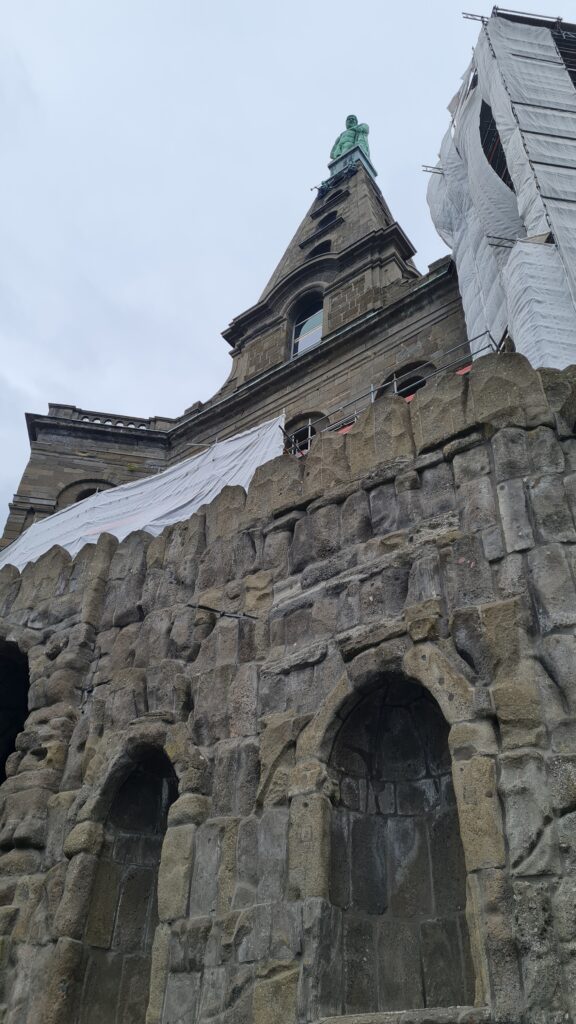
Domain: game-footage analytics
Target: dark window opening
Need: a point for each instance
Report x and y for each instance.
(566, 44)
(328, 219)
(86, 494)
(320, 249)
(123, 912)
(492, 145)
(298, 442)
(14, 683)
(301, 430)
(307, 326)
(406, 381)
(334, 197)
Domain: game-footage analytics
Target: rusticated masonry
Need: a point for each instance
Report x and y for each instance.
(354, 792)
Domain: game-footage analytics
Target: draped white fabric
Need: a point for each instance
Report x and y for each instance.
(154, 502)
(512, 272)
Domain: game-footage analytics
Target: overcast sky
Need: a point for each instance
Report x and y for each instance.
(156, 158)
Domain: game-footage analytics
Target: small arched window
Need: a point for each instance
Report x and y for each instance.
(301, 430)
(406, 381)
(328, 219)
(307, 330)
(320, 249)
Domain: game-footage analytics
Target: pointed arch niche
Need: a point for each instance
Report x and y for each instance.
(397, 873)
(123, 913)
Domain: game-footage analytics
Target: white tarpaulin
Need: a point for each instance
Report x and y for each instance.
(515, 249)
(154, 502)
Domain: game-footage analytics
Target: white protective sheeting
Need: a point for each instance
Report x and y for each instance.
(507, 282)
(155, 502)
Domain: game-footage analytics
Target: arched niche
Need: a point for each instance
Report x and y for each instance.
(123, 912)
(14, 683)
(397, 873)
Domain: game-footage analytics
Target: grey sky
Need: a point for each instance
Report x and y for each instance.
(156, 158)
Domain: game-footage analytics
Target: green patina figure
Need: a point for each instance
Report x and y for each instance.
(354, 135)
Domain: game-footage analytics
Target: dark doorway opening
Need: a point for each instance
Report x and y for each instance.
(14, 683)
(124, 906)
(397, 867)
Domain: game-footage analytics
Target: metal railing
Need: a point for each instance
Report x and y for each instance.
(298, 442)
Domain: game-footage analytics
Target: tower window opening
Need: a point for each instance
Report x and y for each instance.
(328, 219)
(320, 249)
(307, 327)
(492, 145)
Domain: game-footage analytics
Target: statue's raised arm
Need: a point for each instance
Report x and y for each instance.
(354, 135)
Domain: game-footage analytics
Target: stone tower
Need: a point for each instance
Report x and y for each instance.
(380, 320)
(308, 755)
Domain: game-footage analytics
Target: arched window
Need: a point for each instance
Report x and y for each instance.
(406, 381)
(301, 430)
(320, 249)
(307, 330)
(492, 145)
(328, 219)
(123, 911)
(397, 865)
(14, 681)
(79, 490)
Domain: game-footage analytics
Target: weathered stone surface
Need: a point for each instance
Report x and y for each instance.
(479, 812)
(366, 734)
(175, 872)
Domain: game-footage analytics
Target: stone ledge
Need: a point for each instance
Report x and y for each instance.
(444, 1015)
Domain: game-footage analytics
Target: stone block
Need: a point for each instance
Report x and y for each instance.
(533, 845)
(60, 992)
(103, 905)
(236, 776)
(355, 520)
(207, 855)
(504, 391)
(477, 504)
(381, 435)
(86, 837)
(175, 872)
(71, 914)
(359, 964)
(321, 980)
(272, 853)
(471, 465)
(513, 508)
(326, 465)
(309, 847)
(136, 893)
(438, 412)
(479, 813)
(276, 486)
(158, 974)
(442, 963)
(399, 969)
(275, 995)
(383, 508)
(550, 509)
(552, 586)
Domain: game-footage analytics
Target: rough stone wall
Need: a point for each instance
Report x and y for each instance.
(424, 563)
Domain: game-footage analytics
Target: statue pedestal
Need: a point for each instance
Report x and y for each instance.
(353, 156)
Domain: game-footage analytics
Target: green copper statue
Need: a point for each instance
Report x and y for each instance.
(354, 135)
